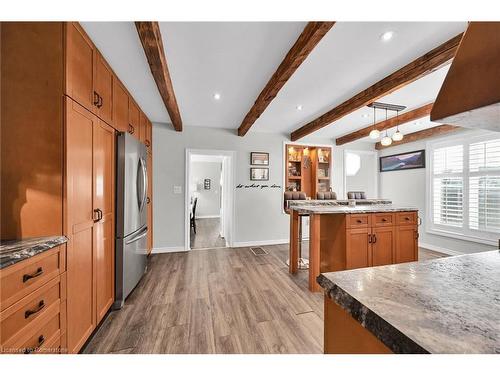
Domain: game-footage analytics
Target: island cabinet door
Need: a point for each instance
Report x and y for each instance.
(406, 244)
(383, 242)
(358, 248)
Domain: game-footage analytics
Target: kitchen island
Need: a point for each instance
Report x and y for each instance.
(447, 305)
(342, 237)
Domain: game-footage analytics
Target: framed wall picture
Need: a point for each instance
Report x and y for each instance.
(259, 158)
(399, 162)
(259, 174)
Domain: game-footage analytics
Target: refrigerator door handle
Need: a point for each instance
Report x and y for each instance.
(141, 181)
(145, 184)
(137, 237)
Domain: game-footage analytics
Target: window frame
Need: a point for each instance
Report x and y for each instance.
(464, 232)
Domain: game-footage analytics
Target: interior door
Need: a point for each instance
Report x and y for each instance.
(79, 224)
(104, 88)
(79, 66)
(383, 244)
(104, 202)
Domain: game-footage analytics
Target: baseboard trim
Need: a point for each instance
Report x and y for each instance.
(439, 249)
(208, 217)
(260, 243)
(162, 250)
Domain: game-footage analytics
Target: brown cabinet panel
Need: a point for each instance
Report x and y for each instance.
(406, 244)
(149, 137)
(383, 220)
(406, 218)
(104, 177)
(80, 67)
(79, 225)
(133, 118)
(143, 121)
(383, 242)
(358, 221)
(104, 89)
(358, 248)
(120, 106)
(150, 202)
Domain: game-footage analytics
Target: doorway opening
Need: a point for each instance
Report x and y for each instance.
(209, 199)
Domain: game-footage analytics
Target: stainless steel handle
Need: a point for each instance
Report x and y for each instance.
(142, 234)
(142, 198)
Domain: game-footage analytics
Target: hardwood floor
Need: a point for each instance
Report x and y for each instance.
(218, 301)
(207, 234)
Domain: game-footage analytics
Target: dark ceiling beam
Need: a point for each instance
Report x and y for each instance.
(308, 39)
(150, 36)
(386, 124)
(418, 68)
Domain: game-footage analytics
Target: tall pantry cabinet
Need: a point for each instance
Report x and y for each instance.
(65, 181)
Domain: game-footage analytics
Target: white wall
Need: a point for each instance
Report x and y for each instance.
(208, 204)
(409, 188)
(366, 177)
(258, 213)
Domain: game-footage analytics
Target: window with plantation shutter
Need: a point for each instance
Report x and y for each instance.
(464, 194)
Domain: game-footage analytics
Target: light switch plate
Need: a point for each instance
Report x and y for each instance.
(177, 189)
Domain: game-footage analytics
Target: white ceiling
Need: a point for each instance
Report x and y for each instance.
(237, 59)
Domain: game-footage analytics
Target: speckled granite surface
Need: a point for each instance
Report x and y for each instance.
(14, 251)
(447, 305)
(359, 209)
(337, 202)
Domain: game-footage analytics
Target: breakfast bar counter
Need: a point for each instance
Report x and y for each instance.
(343, 237)
(447, 305)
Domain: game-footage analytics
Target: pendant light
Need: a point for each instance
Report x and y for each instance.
(397, 136)
(375, 133)
(386, 141)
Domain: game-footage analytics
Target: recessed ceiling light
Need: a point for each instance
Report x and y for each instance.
(385, 37)
(365, 115)
(299, 107)
(217, 96)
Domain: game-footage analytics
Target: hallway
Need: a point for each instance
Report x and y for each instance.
(207, 234)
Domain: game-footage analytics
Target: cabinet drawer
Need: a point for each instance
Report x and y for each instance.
(382, 220)
(358, 220)
(26, 315)
(42, 339)
(404, 218)
(19, 280)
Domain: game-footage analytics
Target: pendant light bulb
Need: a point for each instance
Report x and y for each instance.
(386, 141)
(374, 134)
(398, 136)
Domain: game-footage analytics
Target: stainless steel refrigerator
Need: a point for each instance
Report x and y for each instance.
(131, 216)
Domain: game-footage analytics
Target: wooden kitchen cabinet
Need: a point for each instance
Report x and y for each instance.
(79, 224)
(149, 136)
(104, 203)
(104, 89)
(150, 202)
(349, 241)
(120, 106)
(133, 118)
(143, 125)
(90, 167)
(80, 66)
(358, 249)
(406, 244)
(383, 244)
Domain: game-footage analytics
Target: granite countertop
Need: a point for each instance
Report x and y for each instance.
(334, 202)
(358, 209)
(447, 305)
(13, 251)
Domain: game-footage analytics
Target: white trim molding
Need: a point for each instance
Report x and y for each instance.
(439, 249)
(208, 217)
(174, 249)
(260, 243)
